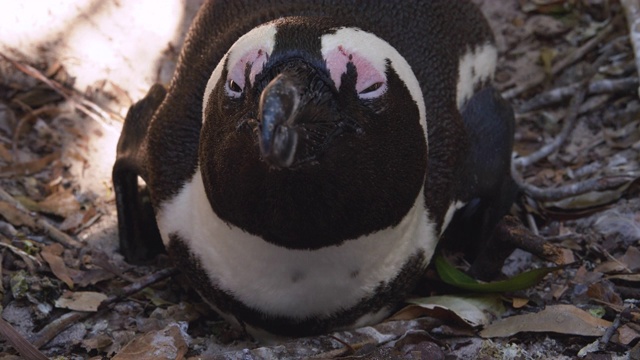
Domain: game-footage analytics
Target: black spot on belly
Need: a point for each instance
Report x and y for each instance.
(388, 295)
(354, 274)
(297, 276)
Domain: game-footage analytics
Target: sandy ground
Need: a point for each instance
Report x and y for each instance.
(118, 48)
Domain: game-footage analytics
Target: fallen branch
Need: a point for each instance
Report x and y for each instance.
(513, 231)
(567, 191)
(60, 324)
(557, 95)
(570, 121)
(569, 124)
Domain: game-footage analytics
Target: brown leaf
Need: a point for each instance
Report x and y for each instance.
(627, 334)
(51, 254)
(168, 343)
(631, 258)
(81, 300)
(99, 342)
(463, 310)
(24, 347)
(30, 167)
(517, 303)
(604, 291)
(62, 203)
(563, 319)
(79, 220)
(90, 277)
(15, 216)
(630, 261)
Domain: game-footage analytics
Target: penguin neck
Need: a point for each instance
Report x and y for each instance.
(310, 208)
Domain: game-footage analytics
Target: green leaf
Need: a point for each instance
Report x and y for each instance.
(457, 278)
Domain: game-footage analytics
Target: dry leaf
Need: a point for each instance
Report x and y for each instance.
(98, 342)
(19, 342)
(14, 216)
(168, 343)
(626, 335)
(51, 254)
(28, 168)
(517, 303)
(81, 300)
(79, 220)
(604, 291)
(468, 310)
(630, 261)
(563, 319)
(631, 258)
(62, 203)
(90, 277)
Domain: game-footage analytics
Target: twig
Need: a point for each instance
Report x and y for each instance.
(60, 324)
(532, 224)
(30, 116)
(513, 231)
(88, 108)
(580, 52)
(560, 65)
(632, 13)
(585, 170)
(35, 222)
(26, 349)
(557, 95)
(611, 330)
(567, 191)
(569, 122)
(569, 125)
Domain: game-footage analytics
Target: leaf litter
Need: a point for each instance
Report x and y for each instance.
(582, 195)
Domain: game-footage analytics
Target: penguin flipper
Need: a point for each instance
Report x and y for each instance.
(486, 185)
(138, 232)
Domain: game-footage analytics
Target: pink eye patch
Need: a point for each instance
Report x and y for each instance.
(371, 82)
(255, 60)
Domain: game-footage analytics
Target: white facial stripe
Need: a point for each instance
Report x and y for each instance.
(476, 66)
(297, 283)
(261, 37)
(377, 52)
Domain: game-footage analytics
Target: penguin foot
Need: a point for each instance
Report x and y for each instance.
(508, 235)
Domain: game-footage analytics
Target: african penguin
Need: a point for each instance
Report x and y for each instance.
(308, 156)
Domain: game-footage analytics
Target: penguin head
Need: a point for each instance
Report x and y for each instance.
(313, 134)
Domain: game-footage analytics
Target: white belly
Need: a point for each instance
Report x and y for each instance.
(293, 283)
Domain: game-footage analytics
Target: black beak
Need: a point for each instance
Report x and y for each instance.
(279, 105)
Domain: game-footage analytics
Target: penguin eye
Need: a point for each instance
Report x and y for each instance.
(373, 91)
(372, 88)
(233, 89)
